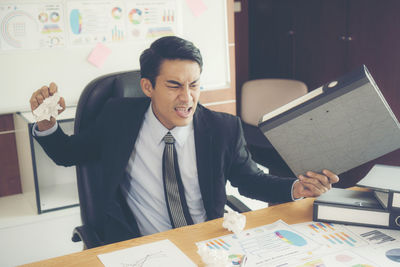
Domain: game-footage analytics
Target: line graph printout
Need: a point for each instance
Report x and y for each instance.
(31, 26)
(160, 253)
(268, 245)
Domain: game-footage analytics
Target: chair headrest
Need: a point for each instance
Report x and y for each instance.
(100, 90)
(262, 96)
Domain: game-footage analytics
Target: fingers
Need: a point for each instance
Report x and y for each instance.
(41, 94)
(317, 179)
(38, 97)
(316, 184)
(61, 102)
(333, 178)
(312, 186)
(53, 88)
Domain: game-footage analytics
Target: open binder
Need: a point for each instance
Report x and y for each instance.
(338, 126)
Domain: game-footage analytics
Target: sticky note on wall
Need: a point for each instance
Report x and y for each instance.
(197, 7)
(99, 55)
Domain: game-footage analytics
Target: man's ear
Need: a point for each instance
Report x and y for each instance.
(147, 87)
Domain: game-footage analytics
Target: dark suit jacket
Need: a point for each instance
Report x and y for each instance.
(220, 150)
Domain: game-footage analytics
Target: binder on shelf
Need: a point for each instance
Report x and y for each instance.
(338, 126)
(355, 208)
(384, 180)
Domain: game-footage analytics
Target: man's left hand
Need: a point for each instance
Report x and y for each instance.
(314, 184)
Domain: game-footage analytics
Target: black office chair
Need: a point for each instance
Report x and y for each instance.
(90, 186)
(89, 175)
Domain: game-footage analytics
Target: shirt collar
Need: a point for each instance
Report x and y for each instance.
(158, 131)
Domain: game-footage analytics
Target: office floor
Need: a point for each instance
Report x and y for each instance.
(27, 237)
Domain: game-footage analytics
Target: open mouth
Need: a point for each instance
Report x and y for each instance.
(183, 112)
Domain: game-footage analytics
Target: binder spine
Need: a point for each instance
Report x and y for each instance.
(394, 200)
(395, 219)
(390, 200)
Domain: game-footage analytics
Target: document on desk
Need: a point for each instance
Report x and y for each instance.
(269, 245)
(160, 253)
(348, 246)
(309, 244)
(333, 236)
(384, 245)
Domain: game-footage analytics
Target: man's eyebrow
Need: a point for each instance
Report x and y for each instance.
(174, 82)
(178, 83)
(195, 81)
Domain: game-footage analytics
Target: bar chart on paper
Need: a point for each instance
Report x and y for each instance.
(218, 244)
(332, 235)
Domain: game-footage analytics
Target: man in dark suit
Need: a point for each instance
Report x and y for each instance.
(127, 138)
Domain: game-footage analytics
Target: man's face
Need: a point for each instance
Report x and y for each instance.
(176, 93)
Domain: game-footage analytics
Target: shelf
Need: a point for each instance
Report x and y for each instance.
(46, 185)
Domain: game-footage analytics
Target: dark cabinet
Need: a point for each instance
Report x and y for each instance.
(270, 39)
(320, 41)
(10, 183)
(316, 41)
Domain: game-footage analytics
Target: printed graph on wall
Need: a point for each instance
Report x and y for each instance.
(151, 20)
(31, 26)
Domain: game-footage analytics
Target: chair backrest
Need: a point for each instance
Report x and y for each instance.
(91, 102)
(261, 96)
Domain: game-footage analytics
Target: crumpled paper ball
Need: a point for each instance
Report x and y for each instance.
(234, 221)
(49, 108)
(213, 257)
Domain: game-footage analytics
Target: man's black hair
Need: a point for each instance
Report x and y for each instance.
(169, 47)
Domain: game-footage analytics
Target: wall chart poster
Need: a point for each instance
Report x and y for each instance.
(49, 24)
(31, 26)
(115, 21)
(91, 22)
(152, 19)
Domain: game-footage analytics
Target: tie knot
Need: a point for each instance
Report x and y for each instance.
(169, 139)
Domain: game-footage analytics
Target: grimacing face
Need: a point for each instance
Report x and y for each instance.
(176, 93)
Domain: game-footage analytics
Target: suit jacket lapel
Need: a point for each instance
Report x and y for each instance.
(135, 119)
(203, 143)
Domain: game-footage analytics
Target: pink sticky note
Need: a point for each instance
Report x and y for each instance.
(99, 55)
(197, 6)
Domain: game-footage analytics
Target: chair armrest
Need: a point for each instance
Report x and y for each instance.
(86, 234)
(236, 204)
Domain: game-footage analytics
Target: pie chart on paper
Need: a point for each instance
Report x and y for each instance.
(75, 20)
(116, 12)
(393, 254)
(135, 16)
(291, 238)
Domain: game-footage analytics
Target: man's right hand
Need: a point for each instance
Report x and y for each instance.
(38, 97)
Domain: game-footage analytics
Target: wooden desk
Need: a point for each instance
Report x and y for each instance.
(186, 237)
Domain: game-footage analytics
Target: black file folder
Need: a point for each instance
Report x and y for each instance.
(338, 126)
(354, 208)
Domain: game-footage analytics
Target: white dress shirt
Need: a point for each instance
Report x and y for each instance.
(143, 187)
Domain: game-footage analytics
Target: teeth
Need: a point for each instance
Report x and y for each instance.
(181, 109)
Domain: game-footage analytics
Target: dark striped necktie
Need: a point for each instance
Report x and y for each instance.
(173, 187)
